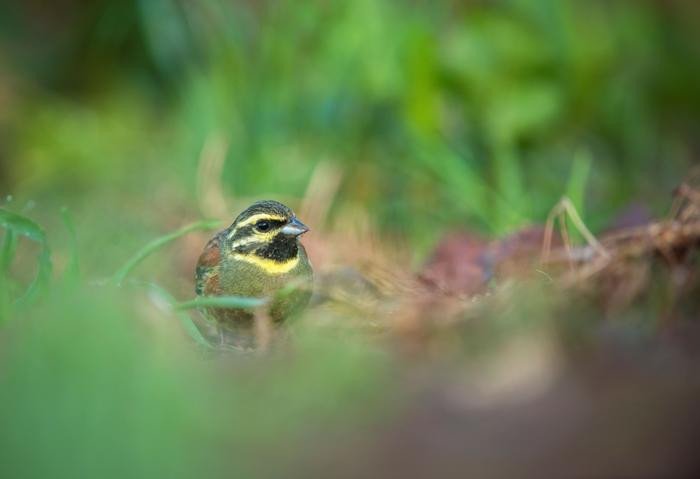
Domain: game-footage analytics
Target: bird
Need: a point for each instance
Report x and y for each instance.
(258, 256)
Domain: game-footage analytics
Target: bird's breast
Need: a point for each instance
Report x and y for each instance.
(249, 275)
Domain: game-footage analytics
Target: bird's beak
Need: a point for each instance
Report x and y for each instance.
(294, 228)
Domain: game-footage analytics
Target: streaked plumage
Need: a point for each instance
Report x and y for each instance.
(256, 256)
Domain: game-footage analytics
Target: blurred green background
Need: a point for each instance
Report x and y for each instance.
(437, 113)
(433, 115)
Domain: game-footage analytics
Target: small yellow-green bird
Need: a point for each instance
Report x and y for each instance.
(256, 256)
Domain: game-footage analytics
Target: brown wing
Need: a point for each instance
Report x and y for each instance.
(207, 271)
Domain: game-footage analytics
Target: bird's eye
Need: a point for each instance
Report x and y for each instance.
(262, 225)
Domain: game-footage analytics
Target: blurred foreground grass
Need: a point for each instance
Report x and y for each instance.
(98, 380)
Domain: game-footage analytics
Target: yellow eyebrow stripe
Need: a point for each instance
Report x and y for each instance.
(260, 216)
(268, 265)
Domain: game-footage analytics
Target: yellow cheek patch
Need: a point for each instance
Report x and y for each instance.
(268, 265)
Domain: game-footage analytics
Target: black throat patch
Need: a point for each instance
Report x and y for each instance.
(282, 248)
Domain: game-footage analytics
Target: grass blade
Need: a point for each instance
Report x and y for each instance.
(22, 226)
(9, 245)
(223, 302)
(158, 243)
(576, 187)
(18, 225)
(185, 320)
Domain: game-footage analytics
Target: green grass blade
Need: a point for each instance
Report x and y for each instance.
(185, 320)
(158, 243)
(576, 187)
(222, 302)
(578, 180)
(42, 277)
(20, 225)
(9, 245)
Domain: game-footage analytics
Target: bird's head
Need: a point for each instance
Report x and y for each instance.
(266, 230)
